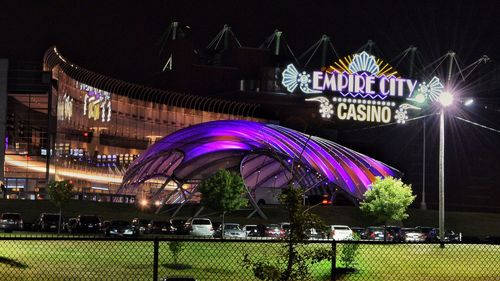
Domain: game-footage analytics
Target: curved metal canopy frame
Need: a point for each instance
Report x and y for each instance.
(264, 154)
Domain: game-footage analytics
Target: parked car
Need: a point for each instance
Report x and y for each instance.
(394, 234)
(452, 236)
(431, 233)
(48, 222)
(340, 232)
(314, 234)
(412, 235)
(140, 224)
(374, 233)
(180, 226)
(250, 230)
(200, 227)
(70, 225)
(359, 231)
(231, 230)
(11, 221)
(105, 225)
(216, 225)
(118, 228)
(285, 226)
(88, 223)
(160, 227)
(270, 230)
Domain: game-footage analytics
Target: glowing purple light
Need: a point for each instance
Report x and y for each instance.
(206, 144)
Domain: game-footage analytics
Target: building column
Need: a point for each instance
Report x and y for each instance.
(4, 68)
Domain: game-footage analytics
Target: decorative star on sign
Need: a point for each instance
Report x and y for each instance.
(325, 107)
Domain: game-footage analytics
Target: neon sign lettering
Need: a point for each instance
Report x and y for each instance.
(64, 107)
(363, 85)
(96, 103)
(363, 88)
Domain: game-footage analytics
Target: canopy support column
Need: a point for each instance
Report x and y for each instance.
(158, 192)
(256, 208)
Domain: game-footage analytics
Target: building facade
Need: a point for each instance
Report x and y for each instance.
(87, 128)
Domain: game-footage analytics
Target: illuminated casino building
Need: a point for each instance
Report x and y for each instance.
(224, 106)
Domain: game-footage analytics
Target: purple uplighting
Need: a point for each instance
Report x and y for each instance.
(262, 152)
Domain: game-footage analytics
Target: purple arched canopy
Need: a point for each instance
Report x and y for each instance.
(263, 153)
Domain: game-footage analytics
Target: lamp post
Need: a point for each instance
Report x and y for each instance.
(441, 176)
(446, 99)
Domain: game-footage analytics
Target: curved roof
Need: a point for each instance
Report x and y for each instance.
(263, 153)
(53, 58)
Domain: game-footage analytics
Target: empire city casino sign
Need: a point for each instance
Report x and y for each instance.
(362, 88)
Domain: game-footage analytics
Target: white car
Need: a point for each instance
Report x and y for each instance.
(250, 230)
(412, 235)
(233, 230)
(340, 232)
(200, 227)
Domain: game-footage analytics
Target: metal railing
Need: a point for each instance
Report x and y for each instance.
(167, 258)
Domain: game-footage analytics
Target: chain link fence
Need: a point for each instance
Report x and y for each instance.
(98, 258)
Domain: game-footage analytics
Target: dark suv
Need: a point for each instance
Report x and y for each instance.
(10, 222)
(394, 234)
(47, 222)
(117, 228)
(179, 226)
(270, 230)
(160, 227)
(88, 223)
(431, 233)
(140, 224)
(375, 233)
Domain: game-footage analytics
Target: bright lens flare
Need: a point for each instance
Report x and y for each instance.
(468, 102)
(446, 99)
(144, 202)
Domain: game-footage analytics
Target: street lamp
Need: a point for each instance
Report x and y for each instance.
(445, 99)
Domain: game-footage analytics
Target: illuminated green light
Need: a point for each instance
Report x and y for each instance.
(420, 98)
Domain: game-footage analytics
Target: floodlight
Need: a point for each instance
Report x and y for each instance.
(446, 99)
(468, 102)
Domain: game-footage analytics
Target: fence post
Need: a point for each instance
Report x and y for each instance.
(155, 259)
(333, 273)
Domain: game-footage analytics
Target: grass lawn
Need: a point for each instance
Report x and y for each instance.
(126, 260)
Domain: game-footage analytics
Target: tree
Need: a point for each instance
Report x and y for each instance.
(60, 194)
(2, 189)
(301, 220)
(295, 261)
(176, 248)
(387, 200)
(223, 192)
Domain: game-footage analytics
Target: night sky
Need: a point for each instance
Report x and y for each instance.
(120, 39)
